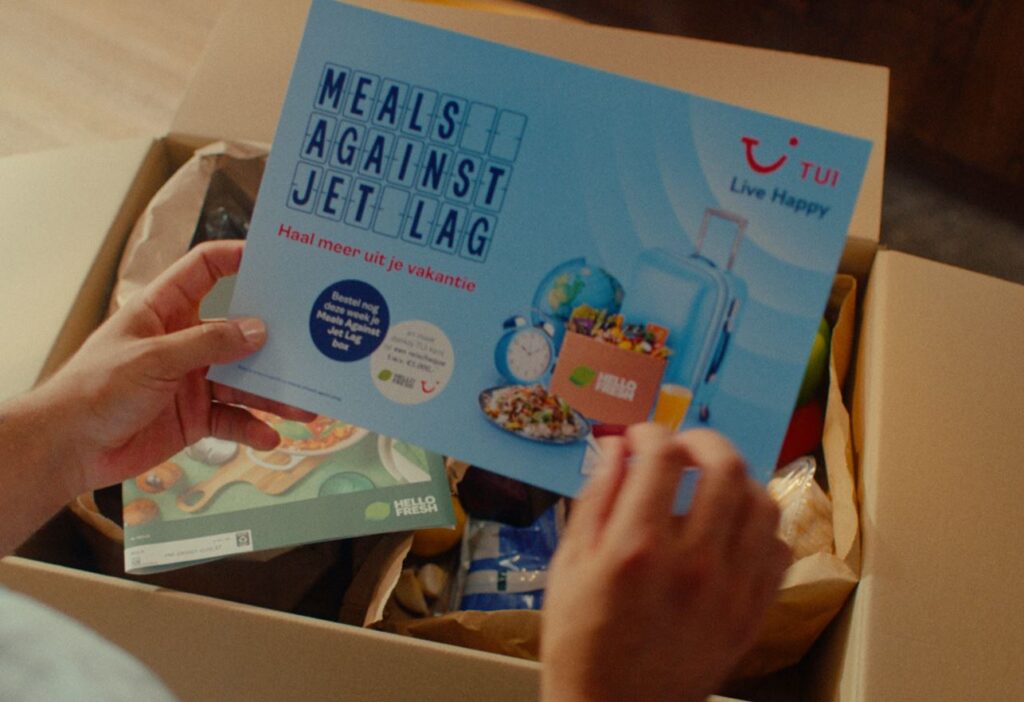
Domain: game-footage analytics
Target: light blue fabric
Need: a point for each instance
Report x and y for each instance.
(45, 655)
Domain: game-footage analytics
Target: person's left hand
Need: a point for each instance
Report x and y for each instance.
(136, 392)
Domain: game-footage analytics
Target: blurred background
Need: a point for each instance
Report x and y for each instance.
(79, 71)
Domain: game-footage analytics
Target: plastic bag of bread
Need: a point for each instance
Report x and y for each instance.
(805, 523)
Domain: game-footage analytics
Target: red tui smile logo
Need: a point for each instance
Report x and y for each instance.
(757, 167)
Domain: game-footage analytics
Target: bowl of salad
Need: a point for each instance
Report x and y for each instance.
(530, 411)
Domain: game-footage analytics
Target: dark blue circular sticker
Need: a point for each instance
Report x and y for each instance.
(349, 320)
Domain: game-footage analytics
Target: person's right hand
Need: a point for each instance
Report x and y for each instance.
(643, 604)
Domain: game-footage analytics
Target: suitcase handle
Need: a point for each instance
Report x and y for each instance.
(741, 227)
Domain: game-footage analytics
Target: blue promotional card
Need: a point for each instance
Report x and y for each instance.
(496, 255)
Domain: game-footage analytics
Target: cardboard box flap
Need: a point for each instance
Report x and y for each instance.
(55, 231)
(938, 612)
(240, 84)
(256, 654)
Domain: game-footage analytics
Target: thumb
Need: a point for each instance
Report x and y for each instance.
(210, 343)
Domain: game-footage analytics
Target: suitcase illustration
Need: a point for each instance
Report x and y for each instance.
(698, 301)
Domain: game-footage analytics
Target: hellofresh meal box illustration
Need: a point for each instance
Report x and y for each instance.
(453, 248)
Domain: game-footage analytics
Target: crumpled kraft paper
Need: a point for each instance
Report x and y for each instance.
(377, 561)
(165, 229)
(512, 632)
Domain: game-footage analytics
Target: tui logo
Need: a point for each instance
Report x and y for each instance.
(751, 143)
(810, 171)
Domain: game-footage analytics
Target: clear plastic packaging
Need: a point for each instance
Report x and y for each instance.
(806, 521)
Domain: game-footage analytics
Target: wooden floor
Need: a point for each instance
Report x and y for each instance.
(81, 71)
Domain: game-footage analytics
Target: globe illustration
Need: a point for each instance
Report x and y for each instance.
(574, 283)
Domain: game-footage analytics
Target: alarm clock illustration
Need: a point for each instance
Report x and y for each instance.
(526, 352)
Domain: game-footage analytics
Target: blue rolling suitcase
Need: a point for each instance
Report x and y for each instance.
(698, 301)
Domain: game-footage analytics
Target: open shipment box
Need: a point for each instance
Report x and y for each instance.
(937, 395)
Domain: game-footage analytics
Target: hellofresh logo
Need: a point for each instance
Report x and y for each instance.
(762, 164)
(604, 383)
(411, 506)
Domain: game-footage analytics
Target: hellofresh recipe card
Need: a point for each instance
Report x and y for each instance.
(491, 253)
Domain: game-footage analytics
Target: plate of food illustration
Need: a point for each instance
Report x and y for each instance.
(534, 413)
(299, 440)
(406, 463)
(271, 472)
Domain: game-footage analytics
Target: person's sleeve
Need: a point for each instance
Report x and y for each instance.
(45, 655)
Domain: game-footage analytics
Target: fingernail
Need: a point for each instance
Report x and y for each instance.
(253, 329)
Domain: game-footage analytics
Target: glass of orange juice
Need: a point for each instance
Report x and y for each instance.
(670, 409)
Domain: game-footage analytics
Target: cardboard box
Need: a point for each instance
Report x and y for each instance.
(938, 393)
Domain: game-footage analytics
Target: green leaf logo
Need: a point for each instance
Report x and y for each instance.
(384, 375)
(377, 511)
(582, 376)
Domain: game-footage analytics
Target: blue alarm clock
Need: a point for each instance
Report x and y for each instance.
(525, 353)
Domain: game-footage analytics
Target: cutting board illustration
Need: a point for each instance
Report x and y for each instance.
(271, 473)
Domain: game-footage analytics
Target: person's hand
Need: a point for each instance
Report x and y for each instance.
(136, 392)
(643, 604)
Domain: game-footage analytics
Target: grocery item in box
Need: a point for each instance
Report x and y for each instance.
(805, 523)
(505, 567)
